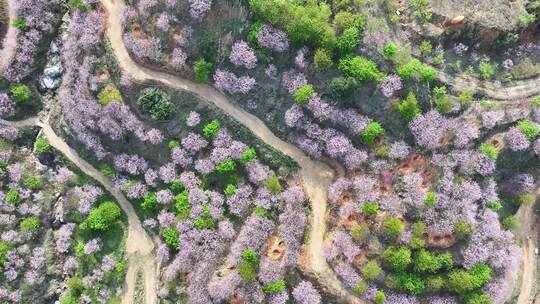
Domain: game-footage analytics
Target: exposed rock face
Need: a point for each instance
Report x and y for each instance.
(498, 15)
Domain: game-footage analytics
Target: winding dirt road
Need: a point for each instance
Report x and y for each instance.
(316, 176)
(139, 246)
(9, 44)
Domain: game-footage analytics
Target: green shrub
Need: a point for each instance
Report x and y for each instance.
(32, 182)
(435, 283)
(79, 5)
(274, 287)
(466, 97)
(322, 59)
(360, 68)
(414, 69)
(439, 92)
(411, 283)
(462, 281)
(29, 224)
(444, 104)
(408, 108)
(4, 248)
(427, 262)
(348, 40)
(273, 184)
(173, 143)
(431, 198)
(382, 151)
(205, 221)
(486, 69)
(379, 297)
(390, 49)
(149, 201)
(398, 258)
(183, 207)
(249, 266)
(303, 94)
(102, 217)
(426, 48)
(260, 212)
(343, 86)
(20, 92)
(393, 227)
(370, 208)
(108, 171)
(20, 23)
(477, 297)
(13, 197)
(528, 128)
(489, 150)
(202, 70)
(249, 155)
(229, 190)
(176, 186)
(361, 287)
(371, 132)
(371, 270)
(211, 129)
(108, 94)
(524, 199)
(226, 166)
(495, 206)
(252, 34)
(462, 229)
(156, 103)
(41, 145)
(510, 222)
(171, 237)
(359, 232)
(346, 19)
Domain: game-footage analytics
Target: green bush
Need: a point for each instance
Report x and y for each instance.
(398, 258)
(371, 132)
(489, 150)
(528, 128)
(411, 283)
(444, 104)
(108, 171)
(431, 198)
(370, 208)
(149, 201)
(371, 270)
(273, 184)
(462, 281)
(32, 182)
(414, 69)
(13, 197)
(348, 40)
(510, 222)
(426, 48)
(260, 212)
(379, 297)
(183, 207)
(202, 70)
(462, 229)
(274, 287)
(303, 94)
(211, 129)
(41, 145)
(524, 199)
(173, 143)
(360, 68)
(322, 59)
(427, 262)
(20, 23)
(439, 92)
(79, 5)
(393, 227)
(486, 69)
(171, 237)
(249, 155)
(249, 266)
(361, 287)
(344, 86)
(205, 221)
(408, 108)
(226, 166)
(435, 283)
(346, 19)
(466, 97)
(29, 224)
(477, 297)
(359, 232)
(20, 92)
(390, 49)
(108, 94)
(156, 103)
(4, 248)
(229, 190)
(176, 186)
(252, 34)
(102, 217)
(382, 151)
(495, 206)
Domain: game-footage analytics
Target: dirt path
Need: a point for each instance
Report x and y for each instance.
(528, 234)
(316, 176)
(9, 44)
(518, 89)
(139, 246)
